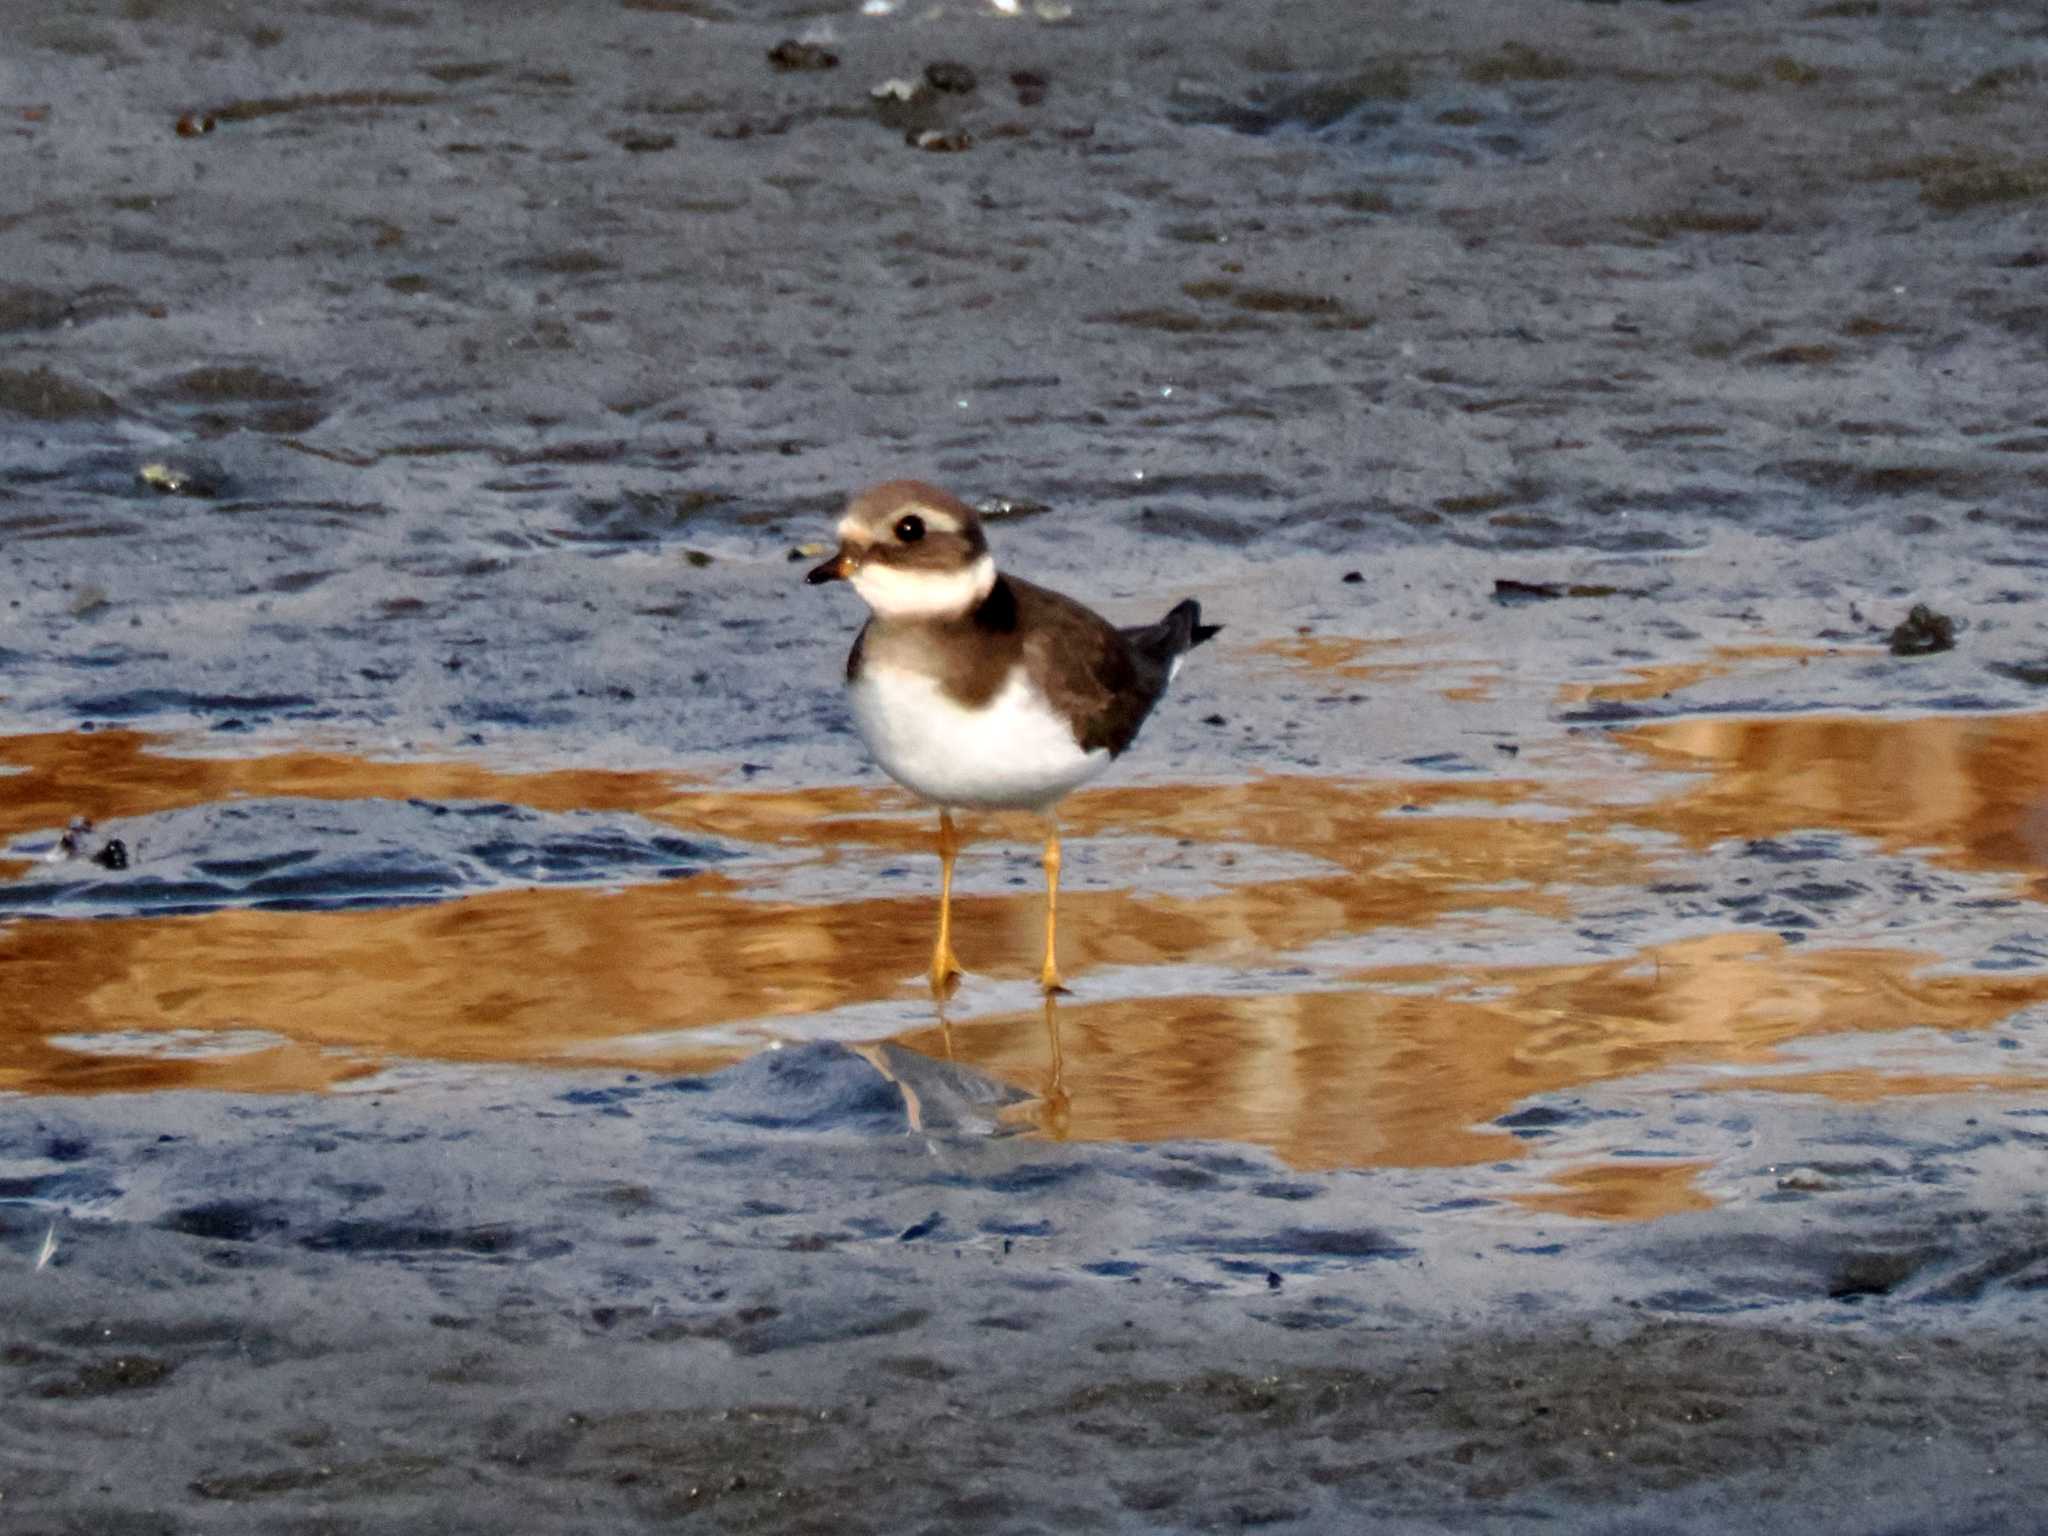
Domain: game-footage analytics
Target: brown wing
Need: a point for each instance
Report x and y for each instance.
(1088, 668)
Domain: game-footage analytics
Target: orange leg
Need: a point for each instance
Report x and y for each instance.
(945, 965)
(1049, 973)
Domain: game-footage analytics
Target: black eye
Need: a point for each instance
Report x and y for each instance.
(910, 529)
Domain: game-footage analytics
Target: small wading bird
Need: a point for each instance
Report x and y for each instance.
(977, 690)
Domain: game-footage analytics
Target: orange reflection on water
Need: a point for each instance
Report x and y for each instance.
(1868, 1085)
(1622, 1191)
(1411, 1069)
(1349, 656)
(1972, 788)
(1339, 653)
(1656, 681)
(523, 975)
(33, 1064)
(644, 975)
(1340, 656)
(1479, 689)
(50, 778)
(47, 779)
(1386, 1064)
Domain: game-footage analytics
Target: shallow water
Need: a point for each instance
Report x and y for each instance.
(1431, 971)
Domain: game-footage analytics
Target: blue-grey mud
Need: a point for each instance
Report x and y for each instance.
(1557, 1036)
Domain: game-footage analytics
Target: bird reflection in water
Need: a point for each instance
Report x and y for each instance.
(1050, 1110)
(942, 1094)
(1055, 1109)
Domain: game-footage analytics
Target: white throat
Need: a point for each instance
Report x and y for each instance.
(900, 594)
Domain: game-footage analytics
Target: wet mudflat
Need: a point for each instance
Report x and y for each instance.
(1346, 1154)
(1558, 991)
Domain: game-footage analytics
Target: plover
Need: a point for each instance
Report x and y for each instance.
(975, 690)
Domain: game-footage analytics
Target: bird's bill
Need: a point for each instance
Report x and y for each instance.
(839, 568)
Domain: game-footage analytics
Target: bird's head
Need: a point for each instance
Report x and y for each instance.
(911, 551)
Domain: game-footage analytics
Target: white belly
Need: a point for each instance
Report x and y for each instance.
(1014, 753)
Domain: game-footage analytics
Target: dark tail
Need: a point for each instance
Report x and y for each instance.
(1164, 643)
